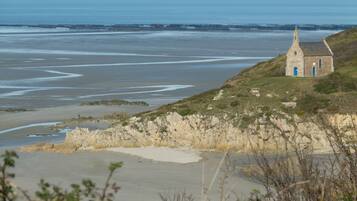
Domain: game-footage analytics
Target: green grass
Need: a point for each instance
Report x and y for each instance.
(349, 70)
(344, 46)
(311, 104)
(336, 82)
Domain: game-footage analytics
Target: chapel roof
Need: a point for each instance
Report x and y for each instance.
(315, 49)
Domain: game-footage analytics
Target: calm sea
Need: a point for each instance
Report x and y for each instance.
(178, 11)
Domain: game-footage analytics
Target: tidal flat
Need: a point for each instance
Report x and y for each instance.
(50, 73)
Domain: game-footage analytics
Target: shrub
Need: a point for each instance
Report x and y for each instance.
(234, 103)
(311, 104)
(239, 95)
(278, 71)
(7, 191)
(246, 121)
(222, 106)
(185, 111)
(336, 82)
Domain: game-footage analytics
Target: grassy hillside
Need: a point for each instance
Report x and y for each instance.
(264, 87)
(344, 45)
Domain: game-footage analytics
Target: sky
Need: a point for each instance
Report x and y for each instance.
(178, 11)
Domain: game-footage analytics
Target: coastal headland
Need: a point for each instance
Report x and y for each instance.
(256, 105)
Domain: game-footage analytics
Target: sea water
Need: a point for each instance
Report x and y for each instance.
(174, 11)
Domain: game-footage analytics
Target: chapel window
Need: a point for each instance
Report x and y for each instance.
(320, 63)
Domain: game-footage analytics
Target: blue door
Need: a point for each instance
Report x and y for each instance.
(296, 71)
(313, 72)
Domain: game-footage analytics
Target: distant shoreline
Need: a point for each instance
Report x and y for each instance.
(189, 27)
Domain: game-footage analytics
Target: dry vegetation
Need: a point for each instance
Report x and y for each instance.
(293, 172)
(296, 173)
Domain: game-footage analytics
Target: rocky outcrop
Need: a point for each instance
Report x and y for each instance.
(211, 132)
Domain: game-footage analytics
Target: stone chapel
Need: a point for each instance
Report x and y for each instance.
(309, 59)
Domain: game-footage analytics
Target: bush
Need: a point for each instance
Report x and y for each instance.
(185, 111)
(234, 103)
(336, 82)
(278, 71)
(222, 106)
(311, 104)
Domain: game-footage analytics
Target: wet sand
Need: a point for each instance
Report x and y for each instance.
(9, 120)
(15, 127)
(140, 179)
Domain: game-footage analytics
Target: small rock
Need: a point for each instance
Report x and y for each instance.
(219, 95)
(255, 92)
(289, 104)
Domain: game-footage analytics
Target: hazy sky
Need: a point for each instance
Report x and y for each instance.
(178, 11)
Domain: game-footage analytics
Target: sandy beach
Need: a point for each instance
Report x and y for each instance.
(162, 154)
(141, 179)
